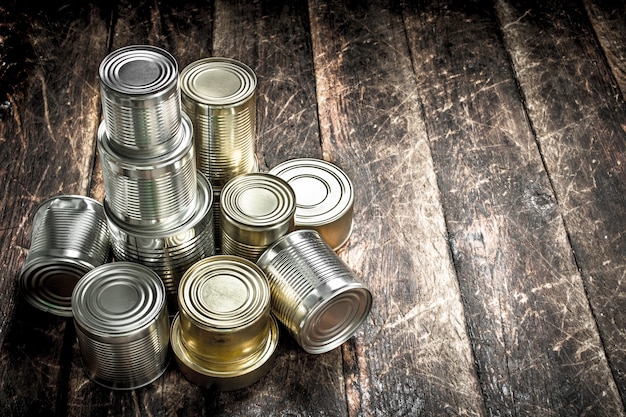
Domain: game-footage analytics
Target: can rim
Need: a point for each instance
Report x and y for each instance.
(178, 152)
(113, 63)
(194, 217)
(192, 286)
(234, 207)
(142, 297)
(242, 72)
(311, 337)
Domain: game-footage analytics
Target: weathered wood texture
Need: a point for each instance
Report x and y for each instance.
(486, 142)
(580, 130)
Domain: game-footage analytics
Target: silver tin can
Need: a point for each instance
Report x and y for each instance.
(324, 198)
(168, 251)
(140, 94)
(224, 336)
(122, 325)
(69, 238)
(219, 95)
(314, 293)
(147, 192)
(255, 210)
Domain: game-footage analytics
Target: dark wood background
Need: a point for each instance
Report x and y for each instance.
(487, 144)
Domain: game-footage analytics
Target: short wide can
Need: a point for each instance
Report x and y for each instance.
(314, 293)
(122, 325)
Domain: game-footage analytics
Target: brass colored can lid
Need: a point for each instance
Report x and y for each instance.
(218, 82)
(324, 198)
(255, 210)
(225, 375)
(224, 305)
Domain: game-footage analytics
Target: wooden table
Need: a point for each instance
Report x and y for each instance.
(487, 145)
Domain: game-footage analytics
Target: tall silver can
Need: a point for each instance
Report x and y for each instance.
(219, 95)
(168, 251)
(140, 94)
(314, 293)
(155, 191)
(122, 325)
(69, 238)
(255, 210)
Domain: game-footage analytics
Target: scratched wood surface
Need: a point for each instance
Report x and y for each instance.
(487, 143)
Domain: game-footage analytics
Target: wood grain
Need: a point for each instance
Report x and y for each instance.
(579, 128)
(526, 307)
(413, 356)
(46, 143)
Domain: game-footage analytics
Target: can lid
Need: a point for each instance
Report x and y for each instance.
(324, 197)
(138, 70)
(257, 200)
(223, 292)
(218, 82)
(225, 376)
(117, 299)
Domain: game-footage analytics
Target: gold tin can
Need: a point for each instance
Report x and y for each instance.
(122, 325)
(168, 251)
(314, 293)
(219, 95)
(140, 94)
(324, 198)
(255, 210)
(69, 238)
(224, 334)
(150, 191)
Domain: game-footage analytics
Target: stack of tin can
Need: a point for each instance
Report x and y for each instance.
(219, 95)
(159, 208)
(164, 171)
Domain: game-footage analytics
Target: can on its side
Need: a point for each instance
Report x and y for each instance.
(140, 93)
(122, 325)
(69, 238)
(255, 210)
(168, 251)
(219, 95)
(314, 293)
(324, 198)
(224, 335)
(155, 191)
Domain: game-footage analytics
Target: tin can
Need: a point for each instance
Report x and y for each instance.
(314, 293)
(219, 95)
(69, 238)
(168, 251)
(122, 325)
(324, 198)
(140, 94)
(255, 210)
(155, 191)
(224, 335)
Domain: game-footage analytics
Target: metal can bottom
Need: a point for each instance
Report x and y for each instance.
(224, 376)
(46, 283)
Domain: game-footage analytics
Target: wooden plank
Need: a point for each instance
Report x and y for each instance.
(535, 340)
(609, 23)
(413, 356)
(578, 116)
(47, 128)
(273, 38)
